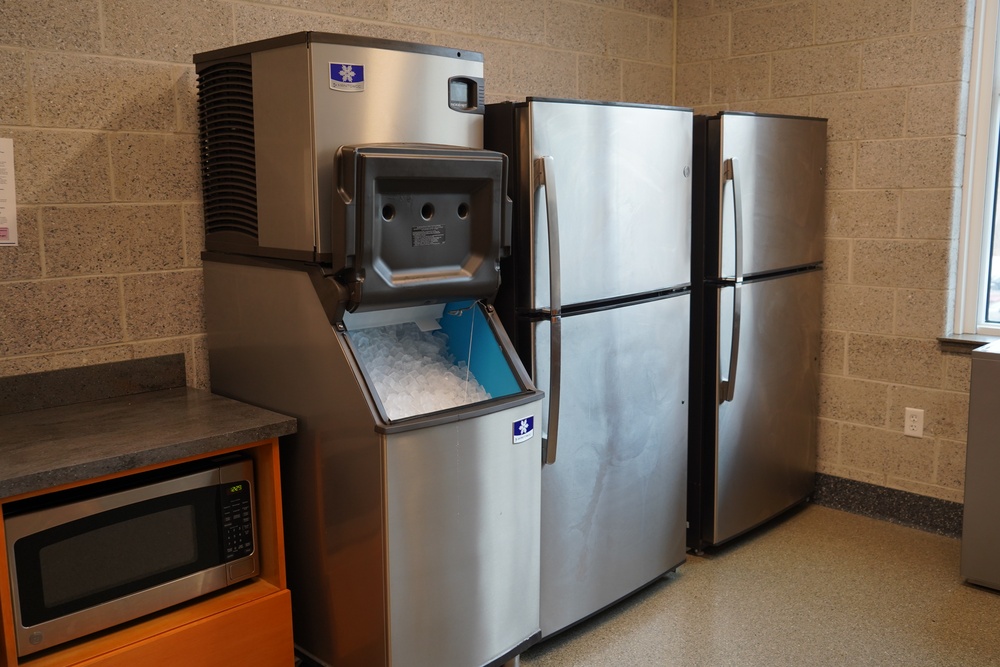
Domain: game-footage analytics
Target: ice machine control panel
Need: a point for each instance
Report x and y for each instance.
(466, 94)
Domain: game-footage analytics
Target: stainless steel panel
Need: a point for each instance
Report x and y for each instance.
(286, 182)
(781, 163)
(980, 528)
(766, 436)
(405, 101)
(463, 538)
(437, 526)
(613, 504)
(301, 122)
(270, 344)
(623, 175)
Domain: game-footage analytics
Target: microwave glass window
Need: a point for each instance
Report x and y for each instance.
(117, 554)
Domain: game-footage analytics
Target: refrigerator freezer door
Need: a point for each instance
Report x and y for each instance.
(781, 162)
(766, 438)
(623, 175)
(613, 504)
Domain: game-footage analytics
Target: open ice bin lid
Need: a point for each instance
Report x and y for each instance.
(441, 362)
(418, 224)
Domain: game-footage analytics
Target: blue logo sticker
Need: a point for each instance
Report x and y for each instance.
(347, 77)
(524, 429)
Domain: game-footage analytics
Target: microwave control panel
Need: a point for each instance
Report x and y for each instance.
(237, 520)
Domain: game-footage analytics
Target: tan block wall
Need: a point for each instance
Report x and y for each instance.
(100, 99)
(891, 77)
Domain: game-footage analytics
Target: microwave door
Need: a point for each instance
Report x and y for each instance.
(106, 558)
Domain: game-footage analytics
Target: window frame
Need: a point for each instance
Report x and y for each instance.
(979, 191)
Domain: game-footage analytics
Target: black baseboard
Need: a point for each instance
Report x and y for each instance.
(901, 507)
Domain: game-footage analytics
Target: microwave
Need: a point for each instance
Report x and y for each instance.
(88, 558)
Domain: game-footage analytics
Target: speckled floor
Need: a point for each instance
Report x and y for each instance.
(820, 587)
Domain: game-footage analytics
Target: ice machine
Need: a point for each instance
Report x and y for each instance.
(354, 228)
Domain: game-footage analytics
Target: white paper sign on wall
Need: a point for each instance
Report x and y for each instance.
(8, 197)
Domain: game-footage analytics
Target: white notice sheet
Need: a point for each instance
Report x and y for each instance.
(8, 199)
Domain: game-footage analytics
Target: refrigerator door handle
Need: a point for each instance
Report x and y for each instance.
(545, 176)
(551, 438)
(727, 384)
(731, 170)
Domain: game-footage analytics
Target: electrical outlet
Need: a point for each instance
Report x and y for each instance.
(913, 423)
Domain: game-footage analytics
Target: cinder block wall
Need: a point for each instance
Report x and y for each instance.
(99, 97)
(892, 77)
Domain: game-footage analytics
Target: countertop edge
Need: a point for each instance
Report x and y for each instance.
(242, 424)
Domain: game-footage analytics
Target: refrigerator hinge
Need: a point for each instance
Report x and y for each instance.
(727, 169)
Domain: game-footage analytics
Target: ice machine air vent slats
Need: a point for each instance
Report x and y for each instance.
(225, 114)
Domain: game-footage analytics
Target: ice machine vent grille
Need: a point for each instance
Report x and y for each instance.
(228, 168)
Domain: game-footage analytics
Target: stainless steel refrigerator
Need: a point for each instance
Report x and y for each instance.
(756, 294)
(596, 295)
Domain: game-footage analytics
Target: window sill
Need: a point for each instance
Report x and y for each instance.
(964, 343)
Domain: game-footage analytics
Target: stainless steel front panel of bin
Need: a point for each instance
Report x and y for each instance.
(981, 518)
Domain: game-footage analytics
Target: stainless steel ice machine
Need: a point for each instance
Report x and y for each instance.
(354, 227)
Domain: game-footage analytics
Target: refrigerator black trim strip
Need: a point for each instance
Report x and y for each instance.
(601, 103)
(606, 304)
(769, 115)
(765, 275)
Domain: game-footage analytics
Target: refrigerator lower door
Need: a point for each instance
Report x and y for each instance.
(766, 435)
(613, 503)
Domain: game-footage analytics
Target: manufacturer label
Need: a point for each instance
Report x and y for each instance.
(347, 77)
(427, 235)
(524, 429)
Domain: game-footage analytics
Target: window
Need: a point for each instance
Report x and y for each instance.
(977, 306)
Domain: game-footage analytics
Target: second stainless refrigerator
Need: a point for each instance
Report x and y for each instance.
(597, 297)
(758, 259)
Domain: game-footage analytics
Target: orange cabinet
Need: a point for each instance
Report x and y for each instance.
(248, 624)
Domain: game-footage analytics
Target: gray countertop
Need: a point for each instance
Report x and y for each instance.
(44, 448)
